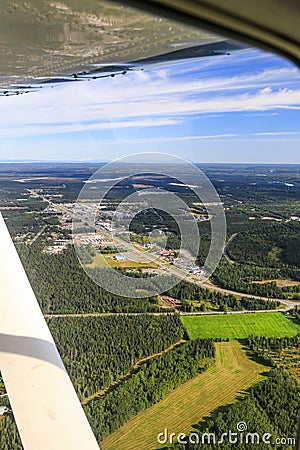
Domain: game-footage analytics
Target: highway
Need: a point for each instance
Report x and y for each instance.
(141, 255)
(57, 206)
(290, 304)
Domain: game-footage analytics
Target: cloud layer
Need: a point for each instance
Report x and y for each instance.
(240, 97)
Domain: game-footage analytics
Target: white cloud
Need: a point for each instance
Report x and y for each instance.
(145, 99)
(266, 91)
(162, 139)
(229, 137)
(278, 133)
(42, 129)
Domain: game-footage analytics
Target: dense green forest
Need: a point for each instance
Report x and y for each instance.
(257, 343)
(73, 291)
(264, 348)
(267, 243)
(261, 250)
(271, 406)
(27, 219)
(296, 313)
(279, 352)
(186, 291)
(154, 379)
(99, 350)
(9, 435)
(244, 277)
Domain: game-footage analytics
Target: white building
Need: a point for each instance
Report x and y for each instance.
(4, 410)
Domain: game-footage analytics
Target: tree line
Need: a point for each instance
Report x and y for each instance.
(266, 348)
(98, 350)
(186, 291)
(149, 385)
(244, 277)
(62, 286)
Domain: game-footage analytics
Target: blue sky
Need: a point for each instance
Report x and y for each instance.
(239, 108)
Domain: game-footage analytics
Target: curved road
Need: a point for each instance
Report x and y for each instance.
(289, 304)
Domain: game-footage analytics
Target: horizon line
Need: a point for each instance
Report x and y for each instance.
(33, 161)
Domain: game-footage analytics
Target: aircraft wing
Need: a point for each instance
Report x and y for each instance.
(45, 405)
(41, 46)
(45, 43)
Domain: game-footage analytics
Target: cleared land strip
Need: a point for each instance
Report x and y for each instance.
(189, 403)
(128, 374)
(37, 235)
(165, 313)
(289, 304)
(49, 316)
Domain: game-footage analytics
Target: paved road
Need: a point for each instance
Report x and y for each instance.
(57, 206)
(148, 257)
(290, 304)
(196, 313)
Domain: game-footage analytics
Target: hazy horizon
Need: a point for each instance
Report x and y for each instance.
(225, 163)
(243, 108)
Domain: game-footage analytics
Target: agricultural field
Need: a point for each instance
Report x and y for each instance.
(240, 326)
(232, 374)
(289, 360)
(283, 353)
(280, 283)
(122, 357)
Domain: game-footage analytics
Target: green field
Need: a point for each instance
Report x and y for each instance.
(240, 326)
(102, 260)
(230, 376)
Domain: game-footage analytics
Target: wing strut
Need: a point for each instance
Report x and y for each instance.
(46, 408)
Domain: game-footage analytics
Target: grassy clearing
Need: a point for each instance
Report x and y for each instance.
(189, 403)
(279, 283)
(288, 359)
(101, 260)
(240, 326)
